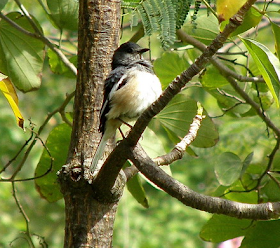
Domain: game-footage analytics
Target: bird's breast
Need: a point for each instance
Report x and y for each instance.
(142, 88)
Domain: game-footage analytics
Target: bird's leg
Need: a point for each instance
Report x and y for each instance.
(123, 136)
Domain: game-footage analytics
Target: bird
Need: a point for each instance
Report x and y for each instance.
(130, 88)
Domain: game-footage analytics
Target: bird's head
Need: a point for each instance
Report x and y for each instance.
(127, 53)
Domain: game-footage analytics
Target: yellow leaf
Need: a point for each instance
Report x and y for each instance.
(9, 92)
(228, 8)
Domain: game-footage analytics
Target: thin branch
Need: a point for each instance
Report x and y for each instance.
(215, 60)
(17, 154)
(21, 210)
(50, 115)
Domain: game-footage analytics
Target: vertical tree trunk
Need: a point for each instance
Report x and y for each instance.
(89, 221)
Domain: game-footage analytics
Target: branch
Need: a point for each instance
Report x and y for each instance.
(215, 60)
(231, 76)
(179, 150)
(193, 199)
(109, 173)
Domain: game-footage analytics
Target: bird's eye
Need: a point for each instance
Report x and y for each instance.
(130, 50)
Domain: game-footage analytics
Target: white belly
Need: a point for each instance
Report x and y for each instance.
(142, 89)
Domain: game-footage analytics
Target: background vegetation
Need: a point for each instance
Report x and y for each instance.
(235, 166)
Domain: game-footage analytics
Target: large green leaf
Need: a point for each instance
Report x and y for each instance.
(21, 56)
(228, 168)
(177, 116)
(264, 234)
(58, 142)
(168, 66)
(220, 228)
(268, 65)
(64, 13)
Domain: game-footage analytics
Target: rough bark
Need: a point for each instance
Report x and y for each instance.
(89, 219)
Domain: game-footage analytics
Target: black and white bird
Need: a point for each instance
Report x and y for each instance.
(130, 88)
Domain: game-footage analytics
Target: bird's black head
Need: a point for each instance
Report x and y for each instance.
(127, 53)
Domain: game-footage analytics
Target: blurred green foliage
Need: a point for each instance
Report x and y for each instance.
(244, 140)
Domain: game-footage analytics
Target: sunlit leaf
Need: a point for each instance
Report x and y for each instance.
(177, 117)
(21, 56)
(228, 8)
(9, 92)
(228, 168)
(220, 228)
(57, 143)
(64, 13)
(268, 65)
(276, 32)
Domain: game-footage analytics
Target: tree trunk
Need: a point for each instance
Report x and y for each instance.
(89, 219)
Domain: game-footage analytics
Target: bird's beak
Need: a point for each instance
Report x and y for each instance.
(143, 50)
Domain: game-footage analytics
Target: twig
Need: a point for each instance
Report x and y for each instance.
(17, 154)
(21, 210)
(215, 61)
(61, 108)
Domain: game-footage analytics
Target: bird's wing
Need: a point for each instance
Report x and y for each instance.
(111, 82)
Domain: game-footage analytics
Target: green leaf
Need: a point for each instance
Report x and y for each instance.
(57, 142)
(212, 78)
(276, 32)
(21, 56)
(240, 194)
(64, 13)
(136, 189)
(264, 234)
(159, 16)
(168, 66)
(271, 191)
(247, 162)
(220, 228)
(251, 19)
(58, 67)
(2, 4)
(206, 28)
(177, 116)
(268, 65)
(228, 168)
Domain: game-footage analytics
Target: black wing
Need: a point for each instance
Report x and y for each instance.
(113, 78)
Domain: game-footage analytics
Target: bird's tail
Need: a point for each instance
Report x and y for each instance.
(110, 130)
(99, 153)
